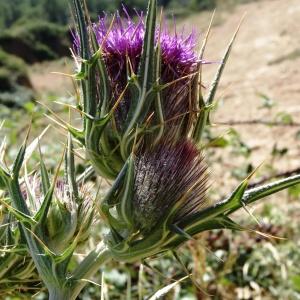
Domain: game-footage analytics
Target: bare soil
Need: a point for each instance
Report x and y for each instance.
(265, 60)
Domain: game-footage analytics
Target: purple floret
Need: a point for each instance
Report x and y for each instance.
(125, 41)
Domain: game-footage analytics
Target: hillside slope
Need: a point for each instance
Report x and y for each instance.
(265, 60)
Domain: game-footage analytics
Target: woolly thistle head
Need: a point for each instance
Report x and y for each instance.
(157, 190)
(168, 177)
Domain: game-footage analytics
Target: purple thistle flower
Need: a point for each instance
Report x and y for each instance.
(168, 176)
(122, 42)
(125, 41)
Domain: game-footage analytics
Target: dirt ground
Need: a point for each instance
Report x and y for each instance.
(265, 60)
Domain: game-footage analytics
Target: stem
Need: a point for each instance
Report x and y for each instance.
(265, 179)
(59, 294)
(257, 193)
(225, 207)
(87, 268)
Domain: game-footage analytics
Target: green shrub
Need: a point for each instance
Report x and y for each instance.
(15, 85)
(36, 40)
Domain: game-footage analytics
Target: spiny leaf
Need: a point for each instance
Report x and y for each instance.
(70, 169)
(111, 195)
(174, 228)
(41, 215)
(4, 177)
(206, 104)
(77, 134)
(217, 209)
(103, 76)
(212, 92)
(260, 192)
(44, 174)
(213, 217)
(146, 73)
(158, 100)
(20, 216)
(34, 144)
(18, 161)
(147, 60)
(42, 244)
(82, 29)
(86, 175)
(127, 193)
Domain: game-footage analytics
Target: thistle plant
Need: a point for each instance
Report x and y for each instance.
(52, 216)
(143, 116)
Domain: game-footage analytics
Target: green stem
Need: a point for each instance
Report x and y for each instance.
(257, 193)
(59, 294)
(88, 267)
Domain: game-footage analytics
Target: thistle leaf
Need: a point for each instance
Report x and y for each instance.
(127, 193)
(146, 73)
(82, 29)
(34, 144)
(260, 192)
(18, 161)
(70, 169)
(216, 216)
(158, 98)
(206, 104)
(217, 209)
(20, 216)
(211, 96)
(77, 134)
(4, 177)
(86, 175)
(41, 215)
(103, 77)
(110, 197)
(147, 64)
(44, 174)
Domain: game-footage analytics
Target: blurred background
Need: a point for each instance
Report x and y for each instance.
(256, 120)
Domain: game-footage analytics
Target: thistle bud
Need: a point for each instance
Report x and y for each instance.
(67, 218)
(168, 186)
(168, 176)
